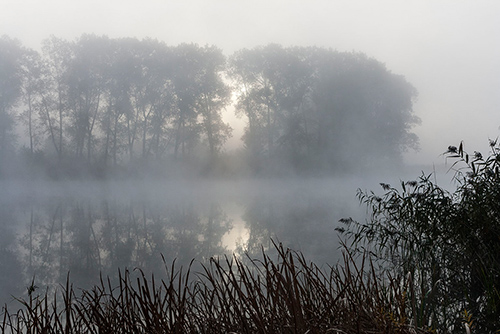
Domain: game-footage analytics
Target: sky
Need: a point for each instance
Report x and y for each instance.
(448, 49)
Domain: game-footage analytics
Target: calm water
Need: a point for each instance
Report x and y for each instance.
(88, 228)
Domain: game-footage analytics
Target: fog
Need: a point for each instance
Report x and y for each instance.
(104, 204)
(447, 50)
(88, 228)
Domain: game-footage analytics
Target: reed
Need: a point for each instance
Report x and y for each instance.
(286, 294)
(448, 243)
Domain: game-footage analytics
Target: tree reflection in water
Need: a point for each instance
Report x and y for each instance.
(89, 233)
(88, 237)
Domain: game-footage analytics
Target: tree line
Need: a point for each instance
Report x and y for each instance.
(98, 104)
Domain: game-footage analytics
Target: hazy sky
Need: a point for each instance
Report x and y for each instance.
(449, 50)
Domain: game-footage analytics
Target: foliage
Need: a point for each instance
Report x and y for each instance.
(447, 243)
(96, 104)
(303, 104)
(11, 53)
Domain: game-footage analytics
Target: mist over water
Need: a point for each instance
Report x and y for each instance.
(88, 228)
(138, 137)
(122, 160)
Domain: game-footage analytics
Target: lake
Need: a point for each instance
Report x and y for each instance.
(88, 228)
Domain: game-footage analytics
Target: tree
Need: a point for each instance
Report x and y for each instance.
(214, 97)
(201, 94)
(154, 96)
(361, 113)
(34, 74)
(86, 84)
(11, 78)
(320, 109)
(295, 82)
(54, 109)
(448, 244)
(255, 73)
(186, 68)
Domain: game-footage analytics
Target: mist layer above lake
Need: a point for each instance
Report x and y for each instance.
(91, 227)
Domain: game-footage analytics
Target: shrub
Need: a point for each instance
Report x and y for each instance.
(448, 243)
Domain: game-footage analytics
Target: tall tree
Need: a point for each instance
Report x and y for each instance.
(322, 109)
(54, 109)
(213, 98)
(187, 67)
(364, 112)
(118, 120)
(34, 74)
(86, 82)
(154, 96)
(11, 76)
(201, 95)
(256, 75)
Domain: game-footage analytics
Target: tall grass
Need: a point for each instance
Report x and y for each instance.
(287, 294)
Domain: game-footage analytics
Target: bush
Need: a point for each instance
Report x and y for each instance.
(448, 243)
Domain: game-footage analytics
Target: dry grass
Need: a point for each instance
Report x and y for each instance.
(229, 295)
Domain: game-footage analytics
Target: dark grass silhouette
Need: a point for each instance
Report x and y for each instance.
(229, 295)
